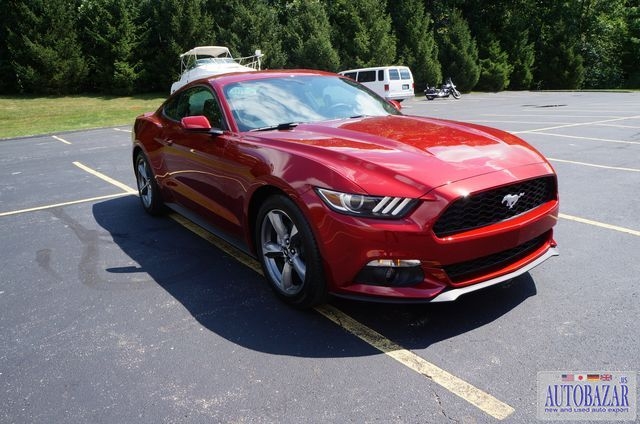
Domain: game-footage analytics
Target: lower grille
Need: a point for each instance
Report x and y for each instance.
(499, 204)
(466, 270)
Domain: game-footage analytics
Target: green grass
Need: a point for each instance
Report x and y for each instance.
(22, 115)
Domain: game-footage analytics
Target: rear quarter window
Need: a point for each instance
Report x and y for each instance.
(171, 109)
(366, 76)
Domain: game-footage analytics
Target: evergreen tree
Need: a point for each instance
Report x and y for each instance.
(630, 53)
(125, 46)
(8, 81)
(561, 67)
(171, 28)
(416, 45)
(559, 64)
(519, 20)
(43, 46)
(603, 31)
(458, 52)
(110, 39)
(249, 25)
(494, 68)
(308, 36)
(522, 58)
(362, 33)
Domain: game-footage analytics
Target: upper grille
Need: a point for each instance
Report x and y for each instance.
(489, 207)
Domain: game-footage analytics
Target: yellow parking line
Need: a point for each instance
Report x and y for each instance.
(542, 114)
(615, 168)
(600, 224)
(634, 127)
(58, 205)
(217, 242)
(455, 385)
(494, 121)
(580, 124)
(110, 180)
(127, 190)
(607, 140)
(482, 400)
(61, 139)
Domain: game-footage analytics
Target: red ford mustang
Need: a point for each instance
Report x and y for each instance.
(335, 191)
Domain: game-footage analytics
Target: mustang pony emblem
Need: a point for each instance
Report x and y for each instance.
(510, 200)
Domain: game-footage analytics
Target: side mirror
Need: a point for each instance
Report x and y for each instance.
(199, 123)
(396, 104)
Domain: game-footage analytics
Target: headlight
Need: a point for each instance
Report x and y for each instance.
(369, 206)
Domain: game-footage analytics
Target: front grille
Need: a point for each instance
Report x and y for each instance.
(488, 207)
(465, 270)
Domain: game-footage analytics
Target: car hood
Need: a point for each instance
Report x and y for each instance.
(421, 153)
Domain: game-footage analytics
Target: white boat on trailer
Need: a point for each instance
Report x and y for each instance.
(204, 61)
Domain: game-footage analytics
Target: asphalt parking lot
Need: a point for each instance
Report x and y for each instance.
(108, 315)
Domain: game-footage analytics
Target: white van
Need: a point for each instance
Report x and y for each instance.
(390, 82)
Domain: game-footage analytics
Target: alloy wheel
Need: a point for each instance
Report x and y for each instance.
(283, 252)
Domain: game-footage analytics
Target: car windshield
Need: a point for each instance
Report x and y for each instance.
(270, 103)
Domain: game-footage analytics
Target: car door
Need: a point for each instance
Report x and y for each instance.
(202, 175)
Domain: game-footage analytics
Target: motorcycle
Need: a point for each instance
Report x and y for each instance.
(448, 88)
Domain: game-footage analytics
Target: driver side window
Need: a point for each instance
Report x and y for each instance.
(193, 102)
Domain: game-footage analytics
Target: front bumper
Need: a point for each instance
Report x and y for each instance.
(453, 294)
(500, 251)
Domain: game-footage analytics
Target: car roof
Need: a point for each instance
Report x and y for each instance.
(224, 79)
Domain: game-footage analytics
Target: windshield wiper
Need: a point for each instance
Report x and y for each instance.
(283, 126)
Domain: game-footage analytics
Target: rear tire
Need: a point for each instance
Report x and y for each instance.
(431, 97)
(288, 253)
(148, 190)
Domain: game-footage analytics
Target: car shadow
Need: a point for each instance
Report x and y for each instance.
(420, 325)
(233, 301)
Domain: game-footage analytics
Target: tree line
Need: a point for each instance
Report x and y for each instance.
(132, 46)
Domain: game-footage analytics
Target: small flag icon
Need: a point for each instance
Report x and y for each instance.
(593, 377)
(567, 377)
(580, 377)
(605, 377)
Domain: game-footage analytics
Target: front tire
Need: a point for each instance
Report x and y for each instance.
(148, 190)
(456, 93)
(288, 253)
